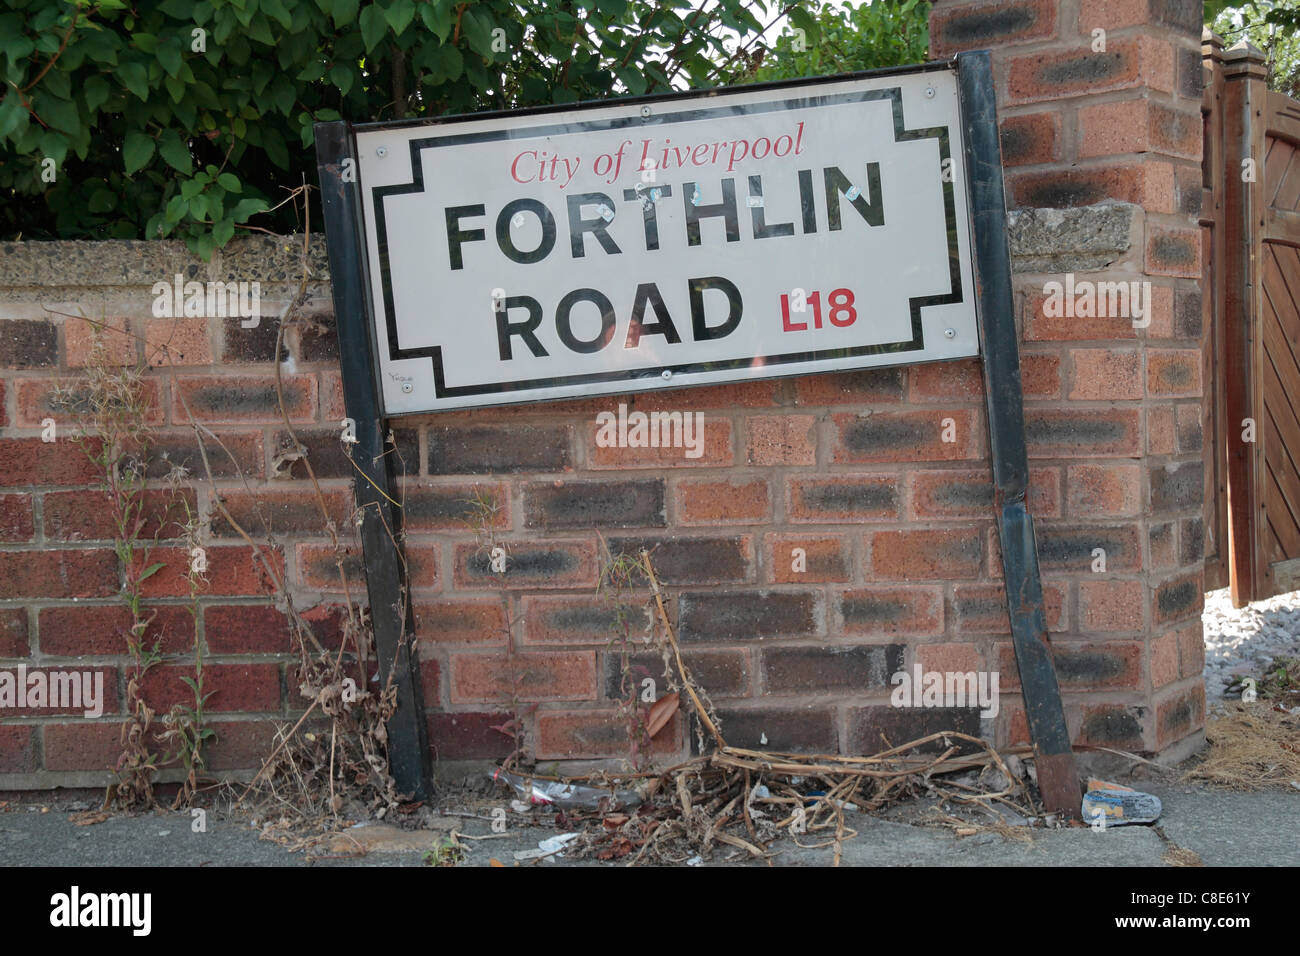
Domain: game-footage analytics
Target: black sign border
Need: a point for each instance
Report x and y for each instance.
(434, 353)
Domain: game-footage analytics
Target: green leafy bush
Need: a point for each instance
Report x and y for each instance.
(188, 117)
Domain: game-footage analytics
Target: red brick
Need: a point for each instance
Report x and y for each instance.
(16, 521)
(1191, 430)
(1112, 490)
(532, 564)
(114, 331)
(1161, 434)
(1056, 74)
(756, 394)
(1040, 375)
(39, 399)
(169, 343)
(1107, 129)
(792, 729)
(1043, 327)
(871, 386)
(58, 574)
(716, 450)
(18, 753)
(13, 633)
(594, 619)
(246, 629)
(824, 559)
(843, 498)
(1178, 598)
(106, 677)
(240, 744)
(910, 612)
(1105, 375)
(907, 436)
(968, 493)
(243, 399)
(1191, 649)
(94, 745)
(1082, 433)
(722, 502)
(982, 608)
(27, 462)
(277, 512)
(781, 440)
(595, 734)
(1031, 138)
(1069, 548)
(1112, 665)
(28, 343)
(986, 25)
(231, 570)
(1180, 714)
(1112, 14)
(429, 506)
(1173, 252)
(89, 515)
(474, 448)
(168, 450)
(333, 408)
(461, 622)
(318, 566)
(1111, 605)
(1164, 660)
(4, 413)
(723, 673)
(823, 669)
(950, 658)
(1174, 372)
(1108, 725)
(936, 555)
(469, 736)
(958, 381)
(234, 687)
(103, 630)
(537, 676)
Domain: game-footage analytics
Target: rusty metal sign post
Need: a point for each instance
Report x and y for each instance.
(1058, 777)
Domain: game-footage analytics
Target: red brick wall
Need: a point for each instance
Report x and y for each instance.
(1084, 125)
(902, 557)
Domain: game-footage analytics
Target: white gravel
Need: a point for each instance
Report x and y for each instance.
(1245, 640)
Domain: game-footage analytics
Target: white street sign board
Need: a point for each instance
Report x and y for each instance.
(683, 241)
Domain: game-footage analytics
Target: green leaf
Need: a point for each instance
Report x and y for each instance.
(135, 78)
(345, 11)
(341, 76)
(95, 93)
(373, 26)
(169, 55)
(223, 231)
(175, 152)
(399, 15)
(151, 570)
(230, 182)
(12, 115)
(437, 17)
(102, 200)
(137, 150)
(61, 114)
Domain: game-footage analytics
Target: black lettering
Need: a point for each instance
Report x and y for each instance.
(525, 330)
(807, 202)
(837, 184)
(564, 324)
(456, 236)
(726, 209)
(649, 292)
(650, 212)
(705, 332)
(597, 227)
(506, 241)
(761, 229)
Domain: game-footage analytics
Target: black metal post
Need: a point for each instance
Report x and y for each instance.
(408, 736)
(1058, 777)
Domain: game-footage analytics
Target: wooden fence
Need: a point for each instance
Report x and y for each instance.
(1250, 216)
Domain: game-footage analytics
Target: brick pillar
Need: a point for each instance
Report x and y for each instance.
(1099, 105)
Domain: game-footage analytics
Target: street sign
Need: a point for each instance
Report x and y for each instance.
(668, 242)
